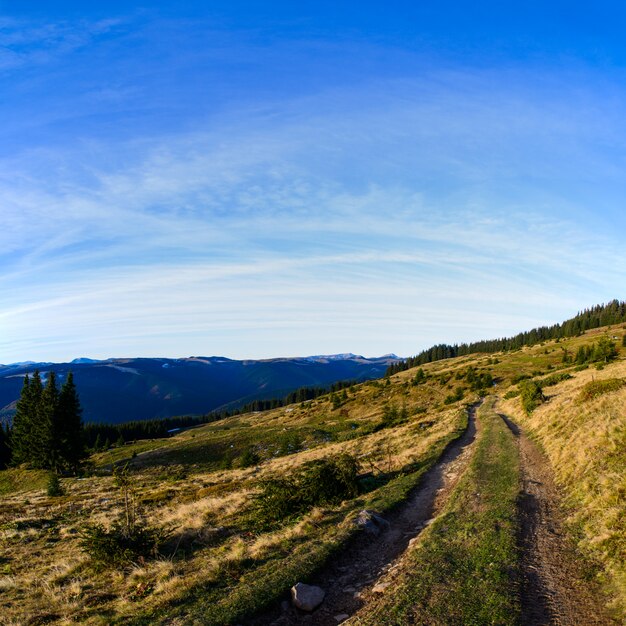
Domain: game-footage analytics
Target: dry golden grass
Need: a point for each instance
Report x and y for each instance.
(44, 575)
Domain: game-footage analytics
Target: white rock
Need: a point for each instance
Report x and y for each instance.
(307, 597)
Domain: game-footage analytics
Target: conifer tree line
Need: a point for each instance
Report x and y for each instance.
(47, 430)
(613, 312)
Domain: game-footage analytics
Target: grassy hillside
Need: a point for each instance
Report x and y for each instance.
(223, 560)
(582, 429)
(217, 561)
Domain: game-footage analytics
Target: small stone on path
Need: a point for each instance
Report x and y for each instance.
(307, 597)
(371, 522)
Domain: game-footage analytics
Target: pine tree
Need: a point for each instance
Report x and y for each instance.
(46, 453)
(605, 350)
(22, 424)
(70, 426)
(24, 436)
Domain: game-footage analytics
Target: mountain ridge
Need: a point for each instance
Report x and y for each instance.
(122, 389)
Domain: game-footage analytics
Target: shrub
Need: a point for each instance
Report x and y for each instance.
(531, 395)
(392, 416)
(420, 377)
(555, 379)
(599, 387)
(54, 488)
(128, 540)
(325, 481)
(289, 443)
(121, 545)
(455, 397)
(249, 457)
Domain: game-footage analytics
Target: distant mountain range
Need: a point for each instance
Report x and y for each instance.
(120, 390)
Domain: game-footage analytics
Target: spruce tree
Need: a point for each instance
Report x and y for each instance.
(25, 446)
(46, 453)
(70, 426)
(22, 425)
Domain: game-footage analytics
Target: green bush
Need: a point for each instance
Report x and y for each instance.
(325, 481)
(455, 397)
(555, 379)
(121, 545)
(54, 488)
(128, 540)
(249, 457)
(599, 387)
(531, 395)
(419, 378)
(392, 417)
(288, 443)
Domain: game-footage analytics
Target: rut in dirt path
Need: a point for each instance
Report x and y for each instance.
(553, 588)
(349, 580)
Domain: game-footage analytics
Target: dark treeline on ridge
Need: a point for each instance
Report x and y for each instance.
(101, 436)
(601, 315)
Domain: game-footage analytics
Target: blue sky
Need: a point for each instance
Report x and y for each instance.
(259, 179)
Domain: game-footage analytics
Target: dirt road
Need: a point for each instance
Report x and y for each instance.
(553, 586)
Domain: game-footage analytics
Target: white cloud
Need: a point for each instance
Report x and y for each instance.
(432, 209)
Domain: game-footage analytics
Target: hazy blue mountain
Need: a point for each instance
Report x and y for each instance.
(119, 390)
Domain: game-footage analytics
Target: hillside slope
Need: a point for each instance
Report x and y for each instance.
(239, 539)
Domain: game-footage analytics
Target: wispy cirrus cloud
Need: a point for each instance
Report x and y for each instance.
(445, 204)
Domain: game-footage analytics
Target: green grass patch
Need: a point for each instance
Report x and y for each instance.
(465, 569)
(14, 480)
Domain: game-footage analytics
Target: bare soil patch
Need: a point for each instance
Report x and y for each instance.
(354, 575)
(554, 589)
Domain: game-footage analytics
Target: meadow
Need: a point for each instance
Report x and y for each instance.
(222, 560)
